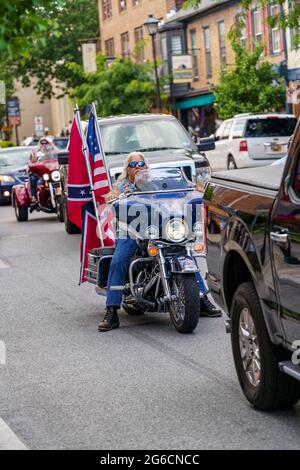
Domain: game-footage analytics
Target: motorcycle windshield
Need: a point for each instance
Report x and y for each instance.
(161, 179)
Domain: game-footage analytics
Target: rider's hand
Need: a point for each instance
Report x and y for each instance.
(113, 194)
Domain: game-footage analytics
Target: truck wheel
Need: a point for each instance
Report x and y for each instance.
(21, 212)
(69, 226)
(256, 358)
(231, 165)
(132, 310)
(184, 311)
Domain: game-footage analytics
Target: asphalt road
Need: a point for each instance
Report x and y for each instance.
(143, 386)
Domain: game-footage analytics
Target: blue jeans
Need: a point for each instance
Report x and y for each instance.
(33, 184)
(124, 251)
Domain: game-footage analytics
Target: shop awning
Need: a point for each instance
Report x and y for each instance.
(194, 102)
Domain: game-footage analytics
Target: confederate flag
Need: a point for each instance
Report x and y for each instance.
(78, 179)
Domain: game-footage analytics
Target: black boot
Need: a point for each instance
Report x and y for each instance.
(110, 320)
(208, 309)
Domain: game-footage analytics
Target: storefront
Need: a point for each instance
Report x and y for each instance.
(197, 114)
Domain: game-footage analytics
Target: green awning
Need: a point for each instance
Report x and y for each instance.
(194, 102)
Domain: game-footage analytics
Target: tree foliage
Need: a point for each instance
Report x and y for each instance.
(124, 87)
(48, 60)
(288, 18)
(251, 86)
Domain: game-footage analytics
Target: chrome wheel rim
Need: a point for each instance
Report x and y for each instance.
(249, 347)
(178, 305)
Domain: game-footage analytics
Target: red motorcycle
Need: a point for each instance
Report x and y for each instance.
(48, 190)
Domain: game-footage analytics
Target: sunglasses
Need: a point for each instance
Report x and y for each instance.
(44, 143)
(140, 164)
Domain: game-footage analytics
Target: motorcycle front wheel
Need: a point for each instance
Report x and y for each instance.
(184, 309)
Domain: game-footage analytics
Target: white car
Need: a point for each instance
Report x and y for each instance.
(249, 140)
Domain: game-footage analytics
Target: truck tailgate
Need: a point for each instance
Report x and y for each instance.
(267, 177)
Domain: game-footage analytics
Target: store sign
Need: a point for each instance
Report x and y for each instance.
(89, 57)
(38, 126)
(182, 69)
(13, 111)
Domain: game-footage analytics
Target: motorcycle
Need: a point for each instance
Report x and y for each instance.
(164, 216)
(48, 189)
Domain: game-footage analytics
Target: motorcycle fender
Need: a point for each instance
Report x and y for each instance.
(21, 195)
(183, 265)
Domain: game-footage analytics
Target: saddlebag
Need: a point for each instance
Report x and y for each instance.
(99, 260)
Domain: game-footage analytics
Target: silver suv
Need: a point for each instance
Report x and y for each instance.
(251, 140)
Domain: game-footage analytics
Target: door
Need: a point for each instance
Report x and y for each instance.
(285, 249)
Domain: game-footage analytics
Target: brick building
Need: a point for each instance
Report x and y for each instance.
(203, 33)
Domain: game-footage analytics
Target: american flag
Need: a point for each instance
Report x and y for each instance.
(100, 177)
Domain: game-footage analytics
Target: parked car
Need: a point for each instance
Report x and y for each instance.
(13, 169)
(162, 139)
(253, 257)
(249, 140)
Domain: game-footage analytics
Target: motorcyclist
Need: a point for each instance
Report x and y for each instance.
(45, 147)
(125, 249)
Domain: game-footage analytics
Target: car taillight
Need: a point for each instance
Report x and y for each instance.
(243, 146)
(204, 210)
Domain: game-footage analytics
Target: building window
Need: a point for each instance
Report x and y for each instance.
(207, 48)
(176, 45)
(257, 26)
(275, 31)
(110, 47)
(122, 5)
(125, 45)
(139, 43)
(222, 43)
(136, 3)
(106, 9)
(194, 54)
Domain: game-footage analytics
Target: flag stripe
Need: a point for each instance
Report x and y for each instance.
(101, 184)
(100, 171)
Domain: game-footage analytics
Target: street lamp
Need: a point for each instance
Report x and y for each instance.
(152, 26)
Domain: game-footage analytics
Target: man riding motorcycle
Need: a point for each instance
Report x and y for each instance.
(125, 249)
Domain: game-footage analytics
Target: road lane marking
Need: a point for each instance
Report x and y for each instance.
(8, 439)
(12, 237)
(3, 265)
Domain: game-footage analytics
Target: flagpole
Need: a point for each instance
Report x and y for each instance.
(88, 166)
(101, 143)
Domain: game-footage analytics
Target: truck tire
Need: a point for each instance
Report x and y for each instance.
(69, 226)
(21, 212)
(185, 314)
(256, 357)
(231, 165)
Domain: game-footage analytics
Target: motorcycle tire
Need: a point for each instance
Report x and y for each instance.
(21, 212)
(69, 226)
(268, 388)
(131, 310)
(188, 290)
(60, 210)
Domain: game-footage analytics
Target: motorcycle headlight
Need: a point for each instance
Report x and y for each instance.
(55, 175)
(152, 232)
(46, 177)
(176, 230)
(6, 179)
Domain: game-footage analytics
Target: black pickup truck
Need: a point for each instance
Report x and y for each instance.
(253, 256)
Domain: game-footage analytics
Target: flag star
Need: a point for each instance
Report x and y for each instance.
(82, 192)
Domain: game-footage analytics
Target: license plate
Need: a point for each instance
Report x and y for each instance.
(276, 148)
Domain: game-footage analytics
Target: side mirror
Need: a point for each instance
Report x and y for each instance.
(205, 144)
(63, 158)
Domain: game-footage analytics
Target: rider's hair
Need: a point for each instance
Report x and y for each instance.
(124, 174)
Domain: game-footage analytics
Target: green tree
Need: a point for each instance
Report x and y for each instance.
(124, 87)
(50, 58)
(251, 86)
(287, 18)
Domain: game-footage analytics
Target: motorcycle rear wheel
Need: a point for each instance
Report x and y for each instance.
(184, 311)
